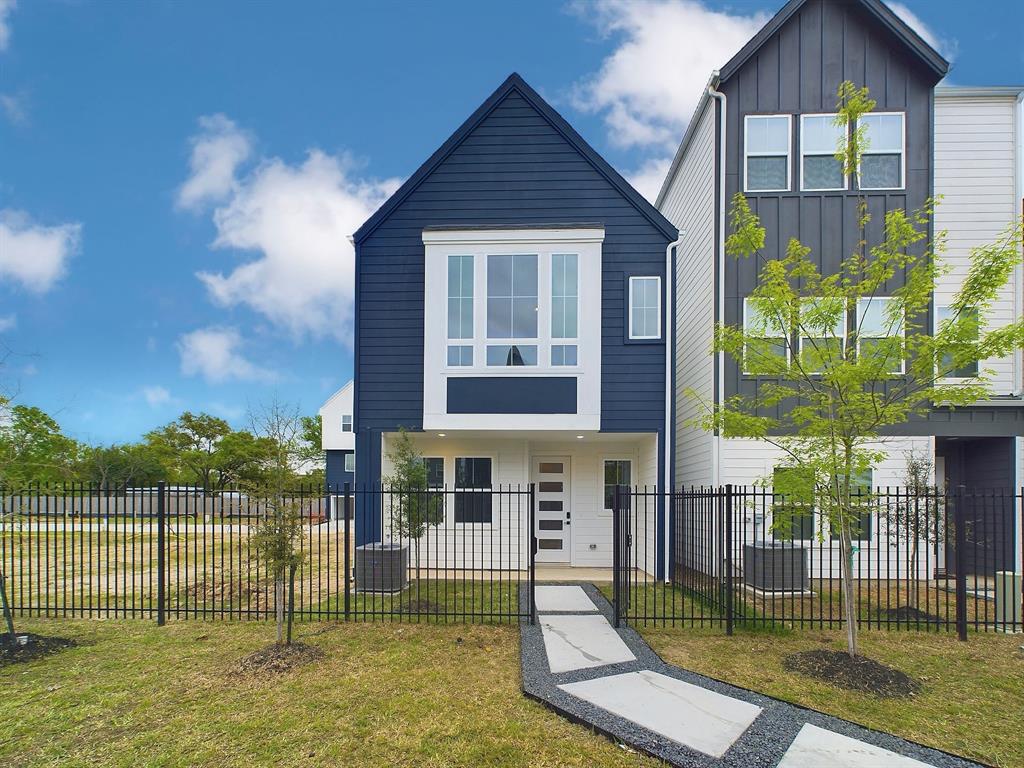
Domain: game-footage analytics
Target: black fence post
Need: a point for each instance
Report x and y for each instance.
(960, 535)
(348, 566)
(727, 560)
(161, 553)
(617, 564)
(533, 556)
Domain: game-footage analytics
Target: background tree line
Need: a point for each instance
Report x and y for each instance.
(195, 449)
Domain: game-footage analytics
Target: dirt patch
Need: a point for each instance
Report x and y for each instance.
(422, 607)
(855, 674)
(277, 659)
(908, 615)
(36, 647)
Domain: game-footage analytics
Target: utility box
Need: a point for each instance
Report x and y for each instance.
(1009, 616)
(382, 567)
(775, 566)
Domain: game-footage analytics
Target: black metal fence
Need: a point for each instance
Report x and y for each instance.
(745, 556)
(173, 552)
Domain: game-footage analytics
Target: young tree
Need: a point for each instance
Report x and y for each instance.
(279, 533)
(413, 507)
(824, 397)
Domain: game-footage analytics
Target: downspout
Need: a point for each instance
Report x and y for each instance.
(720, 201)
(1018, 373)
(670, 324)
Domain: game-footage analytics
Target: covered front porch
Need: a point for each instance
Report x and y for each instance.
(574, 474)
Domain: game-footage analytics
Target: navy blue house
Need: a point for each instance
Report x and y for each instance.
(511, 314)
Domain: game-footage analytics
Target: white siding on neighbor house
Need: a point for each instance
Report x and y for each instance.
(590, 531)
(977, 148)
(689, 203)
(331, 435)
(748, 462)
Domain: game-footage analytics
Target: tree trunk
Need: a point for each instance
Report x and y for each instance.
(849, 600)
(291, 601)
(279, 607)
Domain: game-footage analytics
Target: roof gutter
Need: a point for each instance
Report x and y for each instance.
(720, 202)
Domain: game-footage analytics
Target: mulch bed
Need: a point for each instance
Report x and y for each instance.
(276, 659)
(907, 614)
(37, 647)
(855, 674)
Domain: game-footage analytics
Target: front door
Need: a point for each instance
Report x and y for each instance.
(553, 516)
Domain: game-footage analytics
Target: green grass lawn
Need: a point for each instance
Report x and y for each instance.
(136, 694)
(970, 704)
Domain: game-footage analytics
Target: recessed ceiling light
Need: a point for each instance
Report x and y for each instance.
(579, 437)
(440, 434)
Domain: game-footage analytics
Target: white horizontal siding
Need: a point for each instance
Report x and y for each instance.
(690, 204)
(977, 146)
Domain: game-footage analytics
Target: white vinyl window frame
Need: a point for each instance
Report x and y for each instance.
(943, 312)
(876, 151)
(616, 457)
(346, 422)
(818, 153)
(633, 279)
(458, 342)
(858, 326)
(785, 336)
(801, 335)
(789, 152)
(350, 462)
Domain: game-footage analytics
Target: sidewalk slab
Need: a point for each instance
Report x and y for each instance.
(687, 714)
(814, 747)
(563, 599)
(581, 642)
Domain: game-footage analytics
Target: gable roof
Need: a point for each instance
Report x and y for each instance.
(927, 55)
(336, 395)
(515, 83)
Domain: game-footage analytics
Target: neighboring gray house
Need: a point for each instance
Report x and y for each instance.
(764, 128)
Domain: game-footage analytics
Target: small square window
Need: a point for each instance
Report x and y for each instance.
(460, 355)
(645, 307)
(511, 355)
(346, 422)
(563, 354)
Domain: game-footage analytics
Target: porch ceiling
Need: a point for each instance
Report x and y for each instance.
(540, 436)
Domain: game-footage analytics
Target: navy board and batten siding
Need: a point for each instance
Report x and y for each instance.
(514, 163)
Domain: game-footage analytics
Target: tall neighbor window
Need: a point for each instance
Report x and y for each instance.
(512, 309)
(881, 162)
(564, 308)
(819, 139)
(645, 307)
(766, 153)
(460, 310)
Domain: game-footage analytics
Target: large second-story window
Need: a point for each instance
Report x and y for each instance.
(880, 331)
(819, 139)
(767, 335)
(564, 308)
(882, 160)
(460, 310)
(822, 332)
(512, 309)
(766, 153)
(969, 316)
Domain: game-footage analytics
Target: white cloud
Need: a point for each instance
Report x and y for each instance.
(947, 48)
(7, 323)
(6, 6)
(297, 219)
(213, 353)
(156, 395)
(14, 108)
(648, 178)
(649, 85)
(32, 254)
(217, 151)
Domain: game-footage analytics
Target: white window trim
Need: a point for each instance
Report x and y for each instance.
(903, 152)
(800, 335)
(789, 154)
(903, 330)
(471, 341)
(345, 416)
(564, 341)
(803, 187)
(444, 473)
(787, 336)
(352, 457)
(629, 307)
(449, 472)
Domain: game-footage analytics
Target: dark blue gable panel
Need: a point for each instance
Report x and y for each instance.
(513, 169)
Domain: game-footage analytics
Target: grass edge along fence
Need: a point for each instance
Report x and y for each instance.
(180, 552)
(928, 561)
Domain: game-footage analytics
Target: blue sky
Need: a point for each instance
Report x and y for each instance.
(177, 178)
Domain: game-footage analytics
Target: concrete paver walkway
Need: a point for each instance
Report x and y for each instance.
(574, 661)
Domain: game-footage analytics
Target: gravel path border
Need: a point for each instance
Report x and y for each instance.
(762, 745)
